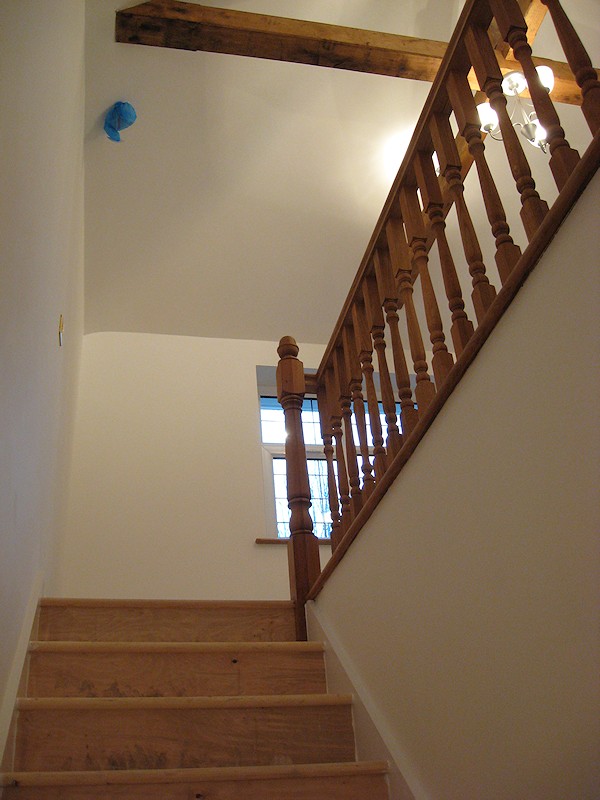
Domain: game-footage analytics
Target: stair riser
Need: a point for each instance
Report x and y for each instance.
(181, 737)
(166, 624)
(174, 674)
(356, 787)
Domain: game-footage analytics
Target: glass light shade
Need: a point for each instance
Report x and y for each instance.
(487, 117)
(514, 83)
(546, 77)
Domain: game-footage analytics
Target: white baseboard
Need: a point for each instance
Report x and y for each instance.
(373, 739)
(7, 705)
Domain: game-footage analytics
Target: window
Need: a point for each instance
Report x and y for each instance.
(273, 437)
(272, 425)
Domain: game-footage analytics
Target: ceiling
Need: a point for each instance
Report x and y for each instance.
(240, 203)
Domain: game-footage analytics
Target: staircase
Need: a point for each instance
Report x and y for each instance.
(181, 701)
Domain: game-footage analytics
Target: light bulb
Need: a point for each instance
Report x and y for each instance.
(546, 77)
(487, 117)
(514, 83)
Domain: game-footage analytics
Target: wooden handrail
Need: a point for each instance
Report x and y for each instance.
(396, 265)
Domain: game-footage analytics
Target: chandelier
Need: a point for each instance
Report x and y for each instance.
(521, 112)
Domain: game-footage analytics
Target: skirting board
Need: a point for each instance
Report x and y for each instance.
(14, 676)
(342, 677)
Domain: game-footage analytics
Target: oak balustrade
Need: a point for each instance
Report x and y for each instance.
(377, 326)
(335, 412)
(463, 103)
(442, 361)
(343, 385)
(401, 264)
(388, 294)
(353, 370)
(380, 306)
(488, 73)
(328, 449)
(365, 356)
(580, 63)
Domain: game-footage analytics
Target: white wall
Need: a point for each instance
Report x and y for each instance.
(167, 487)
(477, 652)
(41, 236)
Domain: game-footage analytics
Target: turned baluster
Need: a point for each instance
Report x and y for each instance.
(465, 110)
(332, 488)
(580, 63)
(303, 547)
(433, 203)
(483, 292)
(365, 356)
(338, 439)
(358, 404)
(343, 384)
(416, 235)
(388, 294)
(513, 28)
(489, 76)
(376, 324)
(401, 266)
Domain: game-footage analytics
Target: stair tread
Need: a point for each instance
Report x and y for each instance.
(95, 602)
(235, 701)
(270, 772)
(172, 647)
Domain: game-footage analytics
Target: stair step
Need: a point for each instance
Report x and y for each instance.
(168, 733)
(334, 781)
(65, 619)
(174, 669)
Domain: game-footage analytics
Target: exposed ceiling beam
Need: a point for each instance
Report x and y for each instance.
(188, 26)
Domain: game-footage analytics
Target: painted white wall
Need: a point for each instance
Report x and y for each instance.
(477, 653)
(41, 236)
(167, 487)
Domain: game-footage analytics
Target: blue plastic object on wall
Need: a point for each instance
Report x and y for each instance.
(119, 116)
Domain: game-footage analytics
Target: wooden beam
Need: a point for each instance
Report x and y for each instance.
(187, 26)
(169, 23)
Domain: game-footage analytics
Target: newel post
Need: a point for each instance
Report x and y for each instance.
(303, 547)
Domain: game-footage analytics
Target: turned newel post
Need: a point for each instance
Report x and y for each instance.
(303, 547)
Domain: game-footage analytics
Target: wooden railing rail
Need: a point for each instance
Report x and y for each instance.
(378, 333)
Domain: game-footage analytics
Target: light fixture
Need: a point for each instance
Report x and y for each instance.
(522, 114)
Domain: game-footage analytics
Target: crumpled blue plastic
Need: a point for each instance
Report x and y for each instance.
(119, 116)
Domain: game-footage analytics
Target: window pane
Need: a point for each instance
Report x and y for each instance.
(319, 511)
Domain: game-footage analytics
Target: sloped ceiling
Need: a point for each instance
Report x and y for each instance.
(240, 203)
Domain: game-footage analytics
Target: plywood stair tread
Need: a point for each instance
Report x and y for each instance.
(180, 703)
(141, 776)
(93, 646)
(95, 602)
(179, 700)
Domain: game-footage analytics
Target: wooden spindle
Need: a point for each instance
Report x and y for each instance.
(353, 371)
(483, 292)
(489, 76)
(343, 384)
(335, 411)
(303, 547)
(332, 488)
(377, 326)
(461, 329)
(441, 362)
(401, 266)
(365, 356)
(513, 28)
(579, 62)
(388, 295)
(465, 110)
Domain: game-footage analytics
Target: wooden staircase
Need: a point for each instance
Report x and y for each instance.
(181, 700)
